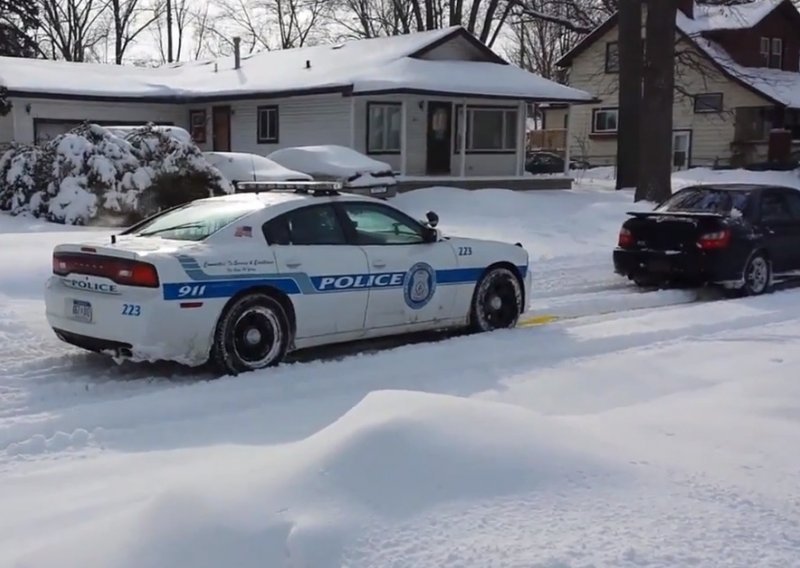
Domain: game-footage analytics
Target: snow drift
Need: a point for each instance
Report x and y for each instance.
(90, 173)
(394, 455)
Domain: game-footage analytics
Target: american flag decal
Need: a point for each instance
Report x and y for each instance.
(244, 232)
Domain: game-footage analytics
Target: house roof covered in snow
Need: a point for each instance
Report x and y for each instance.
(380, 65)
(780, 87)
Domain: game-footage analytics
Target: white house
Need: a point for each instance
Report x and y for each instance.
(400, 99)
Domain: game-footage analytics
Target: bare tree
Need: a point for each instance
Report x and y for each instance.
(70, 28)
(538, 44)
(129, 19)
(372, 18)
(171, 30)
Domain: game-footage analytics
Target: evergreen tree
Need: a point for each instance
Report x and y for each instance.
(18, 20)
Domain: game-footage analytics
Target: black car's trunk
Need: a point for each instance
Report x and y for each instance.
(670, 231)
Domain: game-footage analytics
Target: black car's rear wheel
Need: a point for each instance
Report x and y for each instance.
(253, 333)
(757, 275)
(497, 301)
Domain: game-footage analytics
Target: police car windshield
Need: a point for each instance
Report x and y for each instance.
(196, 221)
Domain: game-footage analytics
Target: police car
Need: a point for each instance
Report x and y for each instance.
(242, 279)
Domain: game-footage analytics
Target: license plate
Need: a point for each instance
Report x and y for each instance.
(82, 311)
(378, 189)
(659, 265)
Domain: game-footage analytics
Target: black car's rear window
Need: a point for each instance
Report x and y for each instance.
(707, 200)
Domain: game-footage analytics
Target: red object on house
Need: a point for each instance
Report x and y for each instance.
(780, 145)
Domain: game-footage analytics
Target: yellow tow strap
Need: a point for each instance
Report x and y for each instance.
(537, 320)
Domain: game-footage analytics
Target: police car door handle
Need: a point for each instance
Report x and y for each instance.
(294, 264)
(378, 263)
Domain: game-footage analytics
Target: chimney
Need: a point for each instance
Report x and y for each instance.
(237, 54)
(687, 7)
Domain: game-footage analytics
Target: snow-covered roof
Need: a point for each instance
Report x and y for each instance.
(709, 17)
(361, 65)
(783, 87)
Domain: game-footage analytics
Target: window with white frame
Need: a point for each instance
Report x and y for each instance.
(764, 51)
(708, 102)
(267, 125)
(612, 57)
(776, 57)
(489, 129)
(604, 120)
(384, 128)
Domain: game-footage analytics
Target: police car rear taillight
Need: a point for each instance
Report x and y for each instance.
(120, 270)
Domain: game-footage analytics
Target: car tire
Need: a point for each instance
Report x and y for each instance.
(757, 275)
(497, 301)
(253, 333)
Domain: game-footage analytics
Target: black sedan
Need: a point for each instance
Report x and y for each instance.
(742, 237)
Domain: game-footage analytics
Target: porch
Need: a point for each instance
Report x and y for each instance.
(515, 183)
(425, 141)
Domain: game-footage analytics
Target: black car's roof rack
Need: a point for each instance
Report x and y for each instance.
(316, 188)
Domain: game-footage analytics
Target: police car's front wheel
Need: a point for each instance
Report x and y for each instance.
(253, 333)
(497, 301)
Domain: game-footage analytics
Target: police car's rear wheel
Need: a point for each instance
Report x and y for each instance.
(252, 334)
(497, 301)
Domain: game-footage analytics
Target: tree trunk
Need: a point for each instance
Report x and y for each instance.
(169, 31)
(655, 170)
(630, 92)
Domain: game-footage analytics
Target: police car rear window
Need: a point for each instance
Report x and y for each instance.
(196, 221)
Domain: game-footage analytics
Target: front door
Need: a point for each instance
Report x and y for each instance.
(403, 268)
(681, 147)
(440, 130)
(311, 248)
(222, 128)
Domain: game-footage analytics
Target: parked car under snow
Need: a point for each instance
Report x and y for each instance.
(241, 166)
(357, 173)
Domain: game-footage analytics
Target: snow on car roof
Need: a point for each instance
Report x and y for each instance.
(357, 64)
(272, 198)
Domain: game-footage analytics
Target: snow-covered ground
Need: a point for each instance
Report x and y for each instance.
(658, 436)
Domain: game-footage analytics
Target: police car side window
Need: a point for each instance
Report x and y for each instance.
(277, 231)
(313, 225)
(376, 224)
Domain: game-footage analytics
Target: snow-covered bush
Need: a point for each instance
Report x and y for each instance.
(91, 173)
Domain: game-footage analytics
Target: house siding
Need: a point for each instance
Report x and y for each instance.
(51, 109)
(456, 49)
(302, 121)
(6, 128)
(712, 134)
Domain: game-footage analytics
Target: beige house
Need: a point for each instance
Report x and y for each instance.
(403, 100)
(737, 77)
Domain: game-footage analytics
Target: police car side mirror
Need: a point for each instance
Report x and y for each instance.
(431, 235)
(433, 219)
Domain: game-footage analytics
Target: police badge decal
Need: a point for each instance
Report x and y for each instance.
(419, 285)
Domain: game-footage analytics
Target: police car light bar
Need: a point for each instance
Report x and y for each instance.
(321, 187)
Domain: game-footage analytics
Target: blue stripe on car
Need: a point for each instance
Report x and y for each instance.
(204, 285)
